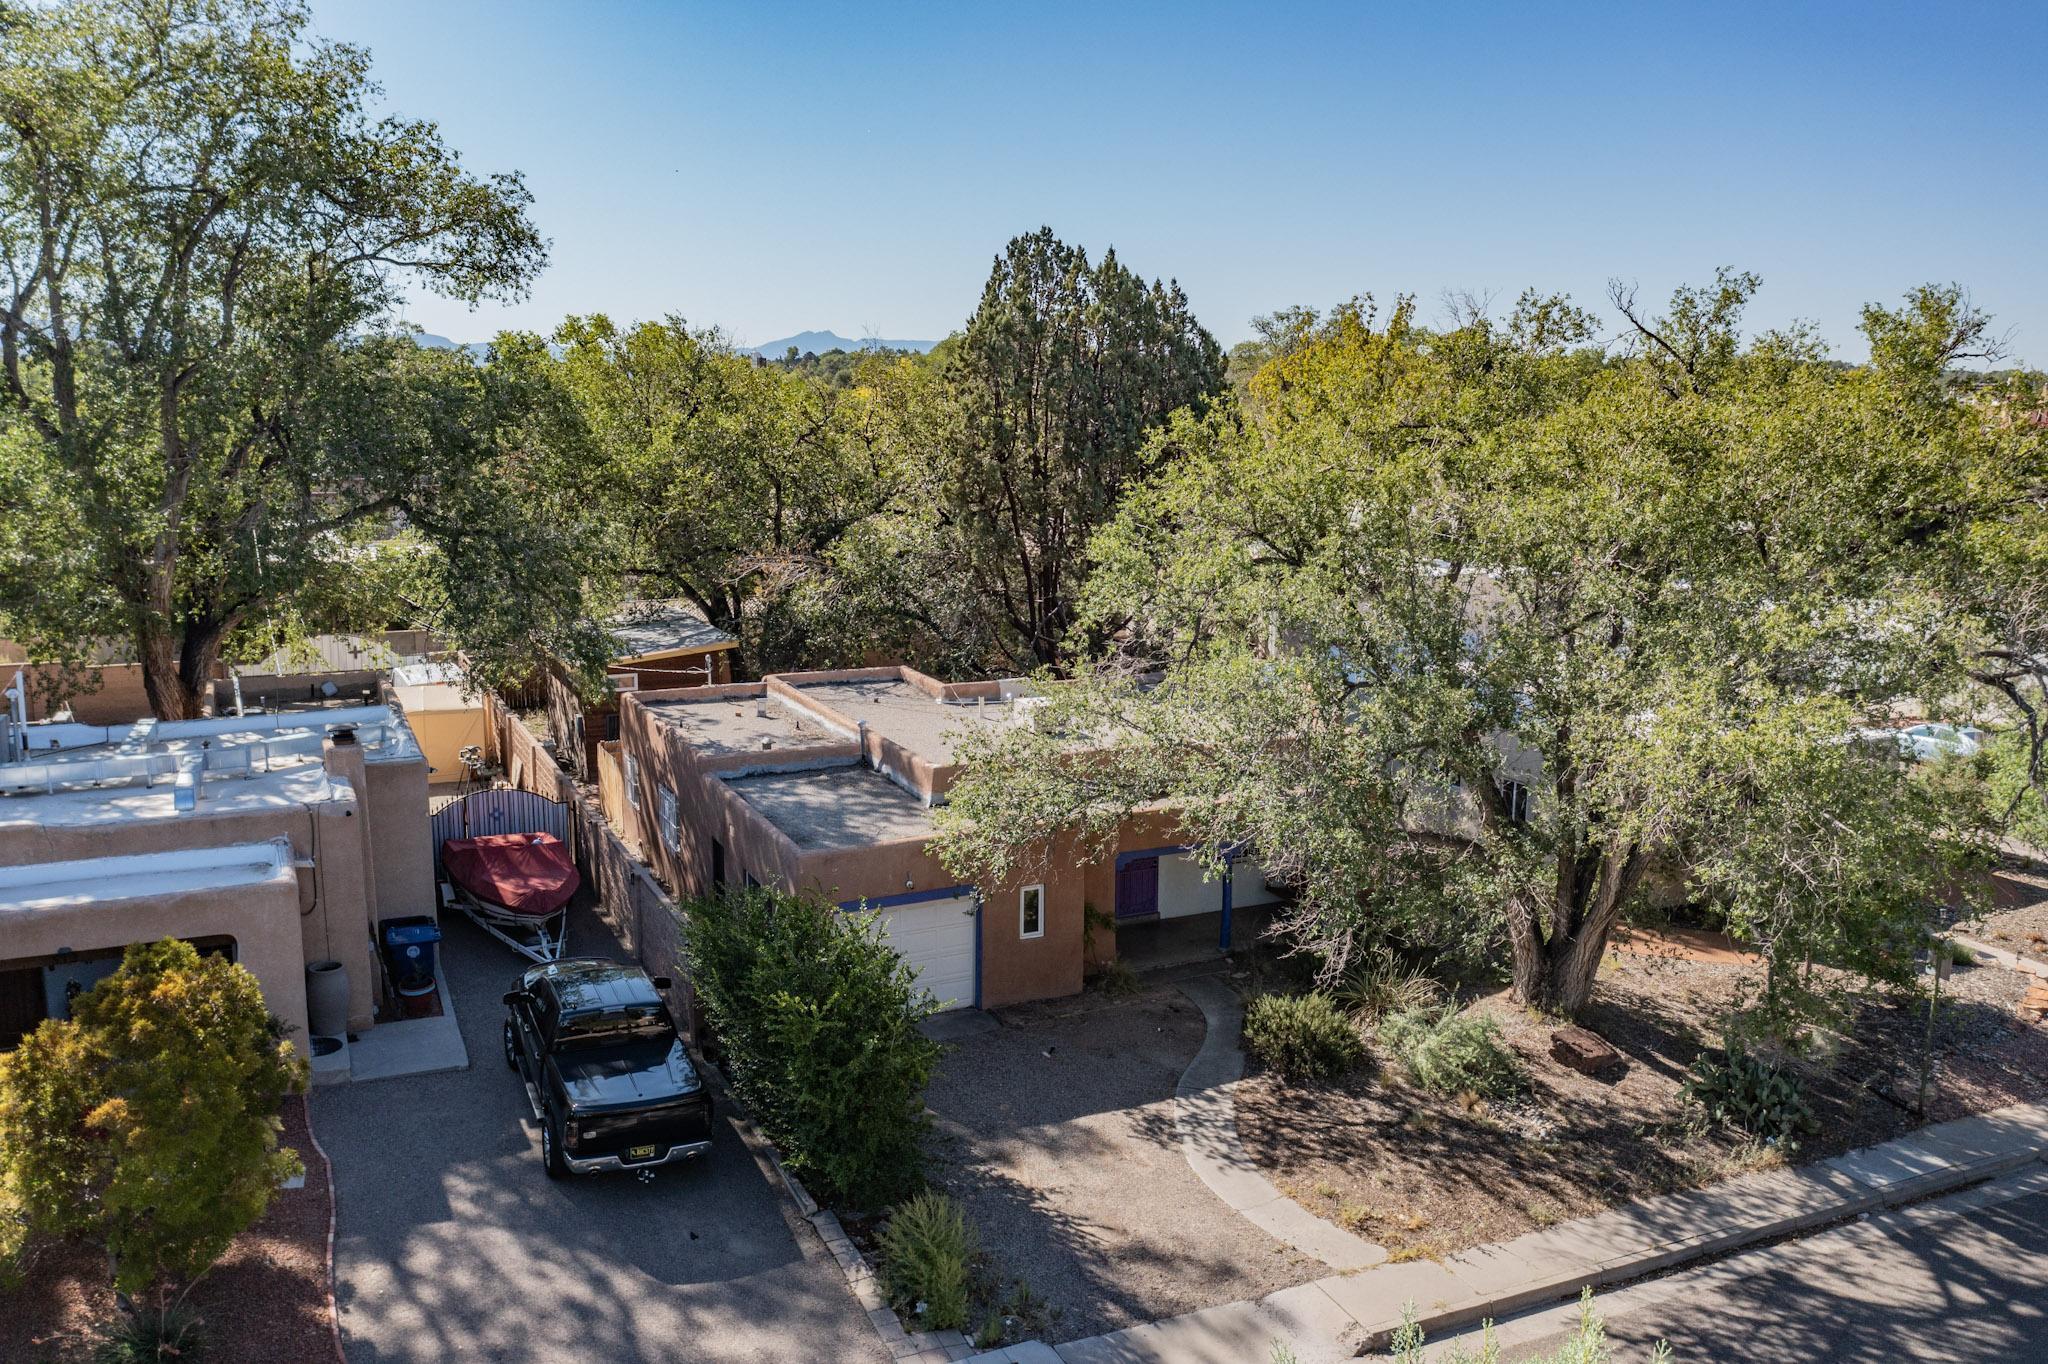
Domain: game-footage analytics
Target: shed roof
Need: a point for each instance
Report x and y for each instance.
(646, 628)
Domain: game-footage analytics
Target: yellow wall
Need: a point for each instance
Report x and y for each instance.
(442, 735)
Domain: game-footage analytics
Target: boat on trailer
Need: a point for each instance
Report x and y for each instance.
(515, 887)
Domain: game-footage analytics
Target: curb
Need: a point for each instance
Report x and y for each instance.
(1205, 1115)
(904, 1345)
(1347, 1315)
(2003, 956)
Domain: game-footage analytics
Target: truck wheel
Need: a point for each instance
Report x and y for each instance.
(551, 1157)
(511, 1047)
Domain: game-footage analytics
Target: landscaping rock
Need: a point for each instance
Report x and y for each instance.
(1586, 1052)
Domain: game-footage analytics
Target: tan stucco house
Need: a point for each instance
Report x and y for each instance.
(279, 839)
(824, 783)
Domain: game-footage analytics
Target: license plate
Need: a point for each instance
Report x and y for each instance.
(640, 1152)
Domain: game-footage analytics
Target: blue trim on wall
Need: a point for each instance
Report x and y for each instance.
(1124, 859)
(1223, 943)
(911, 898)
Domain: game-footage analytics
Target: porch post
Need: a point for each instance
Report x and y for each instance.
(1223, 945)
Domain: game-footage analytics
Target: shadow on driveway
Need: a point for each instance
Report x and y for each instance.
(453, 1244)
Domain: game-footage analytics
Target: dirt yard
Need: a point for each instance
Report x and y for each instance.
(264, 1303)
(1056, 1131)
(1425, 1177)
(2018, 917)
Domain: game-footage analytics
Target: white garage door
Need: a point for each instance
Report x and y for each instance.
(937, 939)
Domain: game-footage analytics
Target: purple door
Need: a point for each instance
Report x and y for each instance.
(1137, 888)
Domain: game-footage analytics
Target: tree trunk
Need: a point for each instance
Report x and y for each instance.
(1555, 970)
(177, 670)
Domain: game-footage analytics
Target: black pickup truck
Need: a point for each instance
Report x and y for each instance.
(606, 1075)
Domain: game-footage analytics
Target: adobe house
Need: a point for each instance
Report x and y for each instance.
(278, 839)
(659, 646)
(824, 783)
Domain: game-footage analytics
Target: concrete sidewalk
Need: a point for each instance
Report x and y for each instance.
(1344, 1315)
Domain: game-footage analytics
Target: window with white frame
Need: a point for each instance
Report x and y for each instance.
(671, 836)
(632, 782)
(1031, 912)
(1514, 797)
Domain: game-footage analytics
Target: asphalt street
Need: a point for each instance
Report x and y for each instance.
(1960, 1280)
(454, 1245)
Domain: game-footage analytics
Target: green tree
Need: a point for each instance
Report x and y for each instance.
(147, 1123)
(1061, 372)
(201, 232)
(1482, 630)
(730, 481)
(817, 1016)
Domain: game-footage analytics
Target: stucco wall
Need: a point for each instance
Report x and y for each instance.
(401, 842)
(116, 695)
(262, 918)
(333, 894)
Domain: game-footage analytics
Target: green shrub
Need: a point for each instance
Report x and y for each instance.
(152, 1335)
(1376, 985)
(1447, 1052)
(927, 1254)
(1303, 1037)
(818, 1020)
(1117, 979)
(146, 1123)
(1747, 1092)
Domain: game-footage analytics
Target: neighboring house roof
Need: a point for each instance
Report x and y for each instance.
(649, 629)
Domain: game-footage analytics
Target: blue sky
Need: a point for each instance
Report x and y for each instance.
(777, 167)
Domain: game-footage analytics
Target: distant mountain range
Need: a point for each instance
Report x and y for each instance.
(480, 349)
(818, 343)
(815, 343)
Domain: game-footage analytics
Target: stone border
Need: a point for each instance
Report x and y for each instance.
(1205, 1113)
(1346, 1315)
(904, 1346)
(333, 1210)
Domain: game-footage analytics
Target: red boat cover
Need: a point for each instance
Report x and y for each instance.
(526, 873)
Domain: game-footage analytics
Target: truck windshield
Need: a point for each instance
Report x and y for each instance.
(645, 1024)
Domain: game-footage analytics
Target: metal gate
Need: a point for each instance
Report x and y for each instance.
(498, 812)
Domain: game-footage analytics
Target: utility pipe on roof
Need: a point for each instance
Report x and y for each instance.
(352, 716)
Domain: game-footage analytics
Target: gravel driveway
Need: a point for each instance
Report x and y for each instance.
(454, 1245)
(1070, 1166)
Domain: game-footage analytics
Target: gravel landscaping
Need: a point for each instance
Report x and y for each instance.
(2018, 917)
(264, 1303)
(1056, 1130)
(1426, 1176)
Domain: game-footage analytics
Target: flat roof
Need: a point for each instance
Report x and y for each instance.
(898, 710)
(744, 724)
(830, 809)
(663, 627)
(301, 783)
(143, 875)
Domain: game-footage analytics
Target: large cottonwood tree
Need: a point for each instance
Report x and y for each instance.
(202, 230)
(1656, 588)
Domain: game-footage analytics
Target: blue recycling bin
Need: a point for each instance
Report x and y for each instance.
(409, 954)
